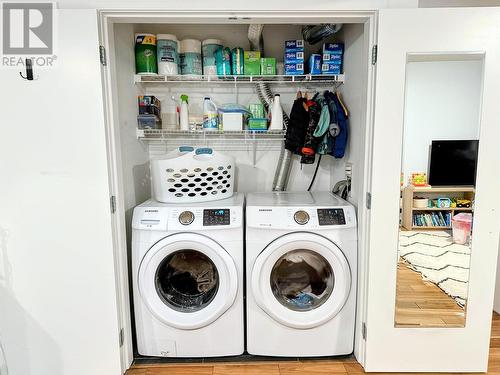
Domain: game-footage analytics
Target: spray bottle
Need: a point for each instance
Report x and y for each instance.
(184, 113)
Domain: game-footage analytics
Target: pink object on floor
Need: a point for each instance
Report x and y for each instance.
(461, 225)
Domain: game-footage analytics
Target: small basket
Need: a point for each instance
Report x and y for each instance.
(189, 175)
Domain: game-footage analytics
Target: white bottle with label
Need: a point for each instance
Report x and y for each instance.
(210, 116)
(184, 113)
(276, 114)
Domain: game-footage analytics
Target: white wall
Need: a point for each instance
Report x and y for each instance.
(442, 102)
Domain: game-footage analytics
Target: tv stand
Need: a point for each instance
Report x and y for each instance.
(433, 192)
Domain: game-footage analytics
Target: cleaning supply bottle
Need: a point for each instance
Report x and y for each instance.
(184, 113)
(276, 114)
(210, 116)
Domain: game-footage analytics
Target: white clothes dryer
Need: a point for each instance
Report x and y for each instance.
(187, 269)
(301, 262)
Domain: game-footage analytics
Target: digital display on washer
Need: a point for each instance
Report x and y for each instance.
(331, 216)
(216, 217)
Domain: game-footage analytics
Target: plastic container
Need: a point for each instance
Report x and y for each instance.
(209, 46)
(187, 175)
(145, 54)
(276, 114)
(169, 114)
(210, 115)
(184, 113)
(167, 52)
(461, 226)
(190, 57)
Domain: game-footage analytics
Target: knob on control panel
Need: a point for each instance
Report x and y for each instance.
(301, 217)
(186, 217)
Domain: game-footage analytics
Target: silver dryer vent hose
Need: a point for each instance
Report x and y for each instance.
(266, 96)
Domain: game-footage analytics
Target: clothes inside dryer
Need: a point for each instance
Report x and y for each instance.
(187, 280)
(302, 280)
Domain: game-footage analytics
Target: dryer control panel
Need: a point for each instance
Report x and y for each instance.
(304, 218)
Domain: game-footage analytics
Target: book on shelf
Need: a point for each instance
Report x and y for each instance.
(432, 219)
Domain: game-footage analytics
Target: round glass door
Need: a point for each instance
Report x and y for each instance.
(301, 280)
(187, 280)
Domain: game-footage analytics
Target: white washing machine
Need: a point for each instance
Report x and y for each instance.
(301, 260)
(187, 269)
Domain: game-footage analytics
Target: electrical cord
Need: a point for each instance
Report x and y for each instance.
(315, 173)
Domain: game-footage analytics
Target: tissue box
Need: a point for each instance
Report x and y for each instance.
(292, 69)
(232, 121)
(294, 45)
(294, 57)
(268, 66)
(333, 48)
(251, 62)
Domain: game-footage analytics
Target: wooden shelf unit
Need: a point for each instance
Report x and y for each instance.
(409, 192)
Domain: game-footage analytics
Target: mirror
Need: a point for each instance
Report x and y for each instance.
(440, 143)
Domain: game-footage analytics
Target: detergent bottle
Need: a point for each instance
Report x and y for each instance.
(210, 116)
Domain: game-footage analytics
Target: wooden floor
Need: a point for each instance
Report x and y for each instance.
(421, 303)
(301, 367)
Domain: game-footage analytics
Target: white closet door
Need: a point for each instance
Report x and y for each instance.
(58, 311)
(431, 34)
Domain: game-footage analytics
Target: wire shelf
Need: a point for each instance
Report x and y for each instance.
(236, 79)
(243, 135)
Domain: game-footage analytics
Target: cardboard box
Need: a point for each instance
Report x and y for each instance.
(328, 68)
(257, 124)
(292, 69)
(251, 63)
(232, 121)
(294, 57)
(294, 45)
(333, 48)
(335, 59)
(268, 66)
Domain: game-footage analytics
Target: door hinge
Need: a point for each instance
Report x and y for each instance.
(374, 54)
(363, 331)
(121, 337)
(102, 55)
(112, 204)
(369, 200)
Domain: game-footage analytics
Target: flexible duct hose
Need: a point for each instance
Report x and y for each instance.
(266, 97)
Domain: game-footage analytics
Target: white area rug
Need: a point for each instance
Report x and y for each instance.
(438, 259)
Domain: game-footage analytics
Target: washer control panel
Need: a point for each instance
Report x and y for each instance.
(331, 216)
(186, 217)
(218, 216)
(301, 217)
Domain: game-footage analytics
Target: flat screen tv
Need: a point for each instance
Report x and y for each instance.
(453, 163)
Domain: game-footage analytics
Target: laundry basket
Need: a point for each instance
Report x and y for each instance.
(192, 175)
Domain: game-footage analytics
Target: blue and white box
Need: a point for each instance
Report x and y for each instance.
(294, 45)
(329, 68)
(294, 56)
(293, 69)
(335, 59)
(315, 64)
(333, 48)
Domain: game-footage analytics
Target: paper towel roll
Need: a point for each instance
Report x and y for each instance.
(167, 52)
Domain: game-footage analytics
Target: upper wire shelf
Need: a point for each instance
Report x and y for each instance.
(235, 79)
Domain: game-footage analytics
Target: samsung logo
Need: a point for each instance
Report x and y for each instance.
(265, 209)
(150, 210)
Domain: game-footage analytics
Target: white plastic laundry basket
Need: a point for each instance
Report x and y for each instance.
(192, 175)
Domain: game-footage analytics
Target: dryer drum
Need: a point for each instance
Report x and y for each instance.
(302, 280)
(187, 281)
